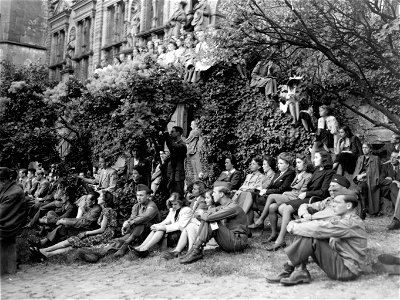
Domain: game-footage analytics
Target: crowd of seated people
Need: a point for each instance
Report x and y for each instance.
(314, 200)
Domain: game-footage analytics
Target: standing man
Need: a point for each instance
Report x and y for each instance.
(176, 165)
(227, 224)
(12, 219)
(336, 244)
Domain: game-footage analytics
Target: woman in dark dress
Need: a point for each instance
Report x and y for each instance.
(348, 149)
(231, 174)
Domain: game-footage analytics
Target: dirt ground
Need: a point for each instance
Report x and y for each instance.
(218, 275)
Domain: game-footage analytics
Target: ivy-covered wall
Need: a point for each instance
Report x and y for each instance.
(236, 119)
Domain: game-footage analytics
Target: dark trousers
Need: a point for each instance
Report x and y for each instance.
(390, 192)
(226, 239)
(325, 257)
(176, 187)
(136, 232)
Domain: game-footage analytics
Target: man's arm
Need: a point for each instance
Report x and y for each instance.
(150, 213)
(223, 213)
(184, 218)
(320, 205)
(324, 229)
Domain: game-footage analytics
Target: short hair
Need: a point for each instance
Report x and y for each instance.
(347, 130)
(326, 108)
(40, 171)
(179, 129)
(285, 156)
(24, 171)
(32, 170)
(108, 198)
(201, 185)
(271, 161)
(326, 160)
(175, 197)
(95, 195)
(367, 144)
(258, 160)
(232, 158)
(309, 167)
(142, 187)
(224, 190)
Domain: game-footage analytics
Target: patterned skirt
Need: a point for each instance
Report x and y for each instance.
(92, 240)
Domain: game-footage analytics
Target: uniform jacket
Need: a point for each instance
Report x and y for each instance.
(144, 214)
(346, 235)
(42, 189)
(230, 215)
(176, 164)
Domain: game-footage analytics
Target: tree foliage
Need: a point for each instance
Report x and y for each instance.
(346, 49)
(26, 122)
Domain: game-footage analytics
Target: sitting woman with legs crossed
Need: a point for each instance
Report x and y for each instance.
(304, 170)
(317, 186)
(104, 234)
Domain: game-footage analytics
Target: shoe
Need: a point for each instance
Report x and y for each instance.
(287, 270)
(297, 277)
(37, 255)
(194, 255)
(389, 259)
(272, 238)
(276, 247)
(121, 251)
(395, 224)
(140, 254)
(170, 255)
(256, 226)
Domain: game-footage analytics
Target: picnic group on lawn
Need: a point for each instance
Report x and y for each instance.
(317, 204)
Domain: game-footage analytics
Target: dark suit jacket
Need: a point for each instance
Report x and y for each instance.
(319, 183)
(387, 171)
(280, 184)
(235, 179)
(88, 219)
(384, 152)
(176, 165)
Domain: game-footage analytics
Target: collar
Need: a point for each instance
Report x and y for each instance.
(230, 172)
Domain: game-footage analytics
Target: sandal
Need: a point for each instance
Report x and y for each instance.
(37, 255)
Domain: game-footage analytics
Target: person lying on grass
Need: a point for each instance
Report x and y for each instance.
(107, 222)
(337, 244)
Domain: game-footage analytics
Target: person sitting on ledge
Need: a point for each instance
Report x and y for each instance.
(336, 244)
(227, 223)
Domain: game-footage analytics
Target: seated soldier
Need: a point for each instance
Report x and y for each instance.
(90, 214)
(144, 214)
(227, 223)
(336, 244)
(389, 180)
(395, 224)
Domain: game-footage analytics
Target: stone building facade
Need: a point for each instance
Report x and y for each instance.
(86, 33)
(23, 30)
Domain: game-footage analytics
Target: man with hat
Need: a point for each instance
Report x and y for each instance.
(339, 186)
(144, 214)
(227, 224)
(12, 219)
(337, 244)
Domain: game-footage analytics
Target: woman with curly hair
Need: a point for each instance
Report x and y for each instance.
(103, 234)
(317, 188)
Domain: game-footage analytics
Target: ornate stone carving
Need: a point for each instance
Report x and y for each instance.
(70, 49)
(134, 23)
(201, 17)
(177, 20)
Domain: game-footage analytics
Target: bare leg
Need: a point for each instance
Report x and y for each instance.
(292, 112)
(182, 242)
(273, 218)
(156, 237)
(339, 170)
(264, 213)
(147, 240)
(192, 230)
(56, 252)
(57, 246)
(305, 125)
(296, 110)
(286, 212)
